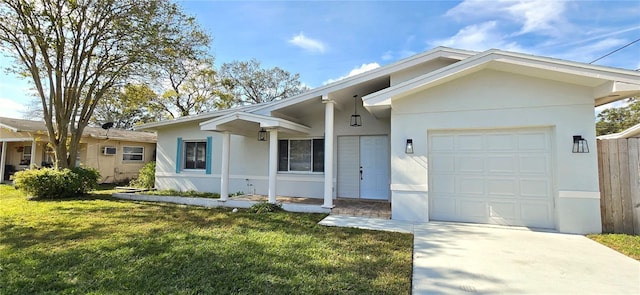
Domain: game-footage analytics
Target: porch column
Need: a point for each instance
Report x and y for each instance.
(224, 171)
(273, 164)
(328, 153)
(3, 160)
(33, 153)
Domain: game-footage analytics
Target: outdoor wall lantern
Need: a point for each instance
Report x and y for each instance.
(356, 120)
(262, 135)
(409, 147)
(580, 144)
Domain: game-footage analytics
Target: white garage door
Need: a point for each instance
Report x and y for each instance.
(489, 176)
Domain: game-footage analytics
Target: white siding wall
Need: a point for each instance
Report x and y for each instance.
(249, 157)
(492, 99)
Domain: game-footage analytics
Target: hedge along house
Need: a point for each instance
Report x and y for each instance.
(487, 137)
(117, 154)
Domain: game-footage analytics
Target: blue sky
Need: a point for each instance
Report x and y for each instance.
(326, 40)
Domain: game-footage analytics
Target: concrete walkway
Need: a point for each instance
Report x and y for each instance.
(455, 258)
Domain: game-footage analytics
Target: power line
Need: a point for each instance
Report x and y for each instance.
(612, 52)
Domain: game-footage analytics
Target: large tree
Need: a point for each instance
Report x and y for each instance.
(614, 120)
(249, 83)
(188, 87)
(76, 51)
(126, 107)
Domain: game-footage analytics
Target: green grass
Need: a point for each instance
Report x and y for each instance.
(101, 245)
(626, 244)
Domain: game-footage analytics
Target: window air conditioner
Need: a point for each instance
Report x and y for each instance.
(109, 150)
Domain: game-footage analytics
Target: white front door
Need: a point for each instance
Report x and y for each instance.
(363, 167)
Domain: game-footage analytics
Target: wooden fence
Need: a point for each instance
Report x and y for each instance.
(619, 166)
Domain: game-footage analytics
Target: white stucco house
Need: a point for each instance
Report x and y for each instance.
(448, 134)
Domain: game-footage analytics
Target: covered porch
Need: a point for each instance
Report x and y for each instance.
(270, 128)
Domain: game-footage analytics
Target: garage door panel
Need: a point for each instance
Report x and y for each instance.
(534, 164)
(446, 184)
(472, 208)
(534, 188)
(470, 185)
(444, 163)
(536, 214)
(498, 176)
(443, 207)
(468, 143)
(506, 187)
(469, 164)
(501, 164)
(501, 142)
(533, 141)
(442, 143)
(504, 211)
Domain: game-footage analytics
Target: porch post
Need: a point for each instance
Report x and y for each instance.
(273, 164)
(328, 152)
(224, 171)
(3, 160)
(33, 153)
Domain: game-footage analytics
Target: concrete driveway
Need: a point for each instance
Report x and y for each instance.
(460, 258)
(454, 258)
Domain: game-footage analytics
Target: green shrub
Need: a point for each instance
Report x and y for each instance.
(49, 183)
(265, 207)
(146, 176)
(87, 179)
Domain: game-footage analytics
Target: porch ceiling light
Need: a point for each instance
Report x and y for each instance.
(580, 144)
(262, 135)
(409, 147)
(356, 120)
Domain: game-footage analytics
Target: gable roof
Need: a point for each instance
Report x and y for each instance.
(610, 84)
(607, 80)
(22, 125)
(433, 54)
(378, 73)
(197, 117)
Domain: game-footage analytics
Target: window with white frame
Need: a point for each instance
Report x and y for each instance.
(301, 155)
(195, 155)
(132, 153)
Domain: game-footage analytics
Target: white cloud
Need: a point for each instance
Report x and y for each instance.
(478, 37)
(307, 43)
(358, 70)
(533, 16)
(11, 108)
(538, 16)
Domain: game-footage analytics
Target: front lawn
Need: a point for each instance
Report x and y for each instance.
(626, 244)
(103, 245)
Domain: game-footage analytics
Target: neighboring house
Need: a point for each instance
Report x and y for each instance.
(633, 131)
(118, 154)
(448, 134)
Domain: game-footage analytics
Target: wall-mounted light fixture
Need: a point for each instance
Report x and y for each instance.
(262, 135)
(580, 144)
(409, 147)
(356, 120)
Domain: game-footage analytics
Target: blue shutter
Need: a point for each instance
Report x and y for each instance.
(209, 153)
(179, 155)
